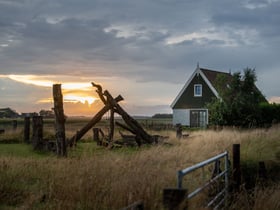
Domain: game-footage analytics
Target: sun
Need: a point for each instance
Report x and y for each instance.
(79, 98)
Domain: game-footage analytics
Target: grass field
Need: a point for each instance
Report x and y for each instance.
(93, 177)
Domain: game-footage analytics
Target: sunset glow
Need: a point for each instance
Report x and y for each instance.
(72, 91)
(82, 99)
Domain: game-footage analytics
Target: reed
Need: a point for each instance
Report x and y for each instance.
(98, 178)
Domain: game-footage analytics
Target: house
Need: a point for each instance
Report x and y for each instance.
(8, 113)
(189, 107)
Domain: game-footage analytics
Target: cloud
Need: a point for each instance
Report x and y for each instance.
(274, 99)
(143, 41)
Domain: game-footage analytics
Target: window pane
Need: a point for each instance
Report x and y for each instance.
(198, 90)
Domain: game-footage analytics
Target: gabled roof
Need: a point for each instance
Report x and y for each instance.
(212, 75)
(209, 77)
(8, 112)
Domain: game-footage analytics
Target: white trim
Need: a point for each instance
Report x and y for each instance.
(209, 84)
(185, 86)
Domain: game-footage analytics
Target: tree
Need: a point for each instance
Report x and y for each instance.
(239, 101)
(47, 113)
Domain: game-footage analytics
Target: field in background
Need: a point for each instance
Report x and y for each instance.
(94, 177)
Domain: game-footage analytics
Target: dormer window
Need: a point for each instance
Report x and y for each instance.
(197, 90)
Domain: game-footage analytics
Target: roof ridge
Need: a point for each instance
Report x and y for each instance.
(204, 69)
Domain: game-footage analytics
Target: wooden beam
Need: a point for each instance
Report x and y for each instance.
(134, 125)
(92, 122)
(112, 125)
(125, 127)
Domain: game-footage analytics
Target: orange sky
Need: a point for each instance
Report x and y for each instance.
(81, 99)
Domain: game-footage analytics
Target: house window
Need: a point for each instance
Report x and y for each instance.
(198, 90)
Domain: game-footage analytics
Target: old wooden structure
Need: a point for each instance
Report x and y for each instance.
(111, 104)
(138, 135)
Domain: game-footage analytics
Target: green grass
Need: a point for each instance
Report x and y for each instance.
(94, 177)
(21, 151)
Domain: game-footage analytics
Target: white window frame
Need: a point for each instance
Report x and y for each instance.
(194, 90)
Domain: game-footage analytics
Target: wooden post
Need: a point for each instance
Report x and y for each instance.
(27, 129)
(96, 134)
(179, 131)
(14, 122)
(236, 166)
(37, 136)
(92, 122)
(96, 138)
(174, 199)
(112, 125)
(59, 121)
(140, 132)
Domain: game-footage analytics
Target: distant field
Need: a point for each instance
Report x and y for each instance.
(93, 177)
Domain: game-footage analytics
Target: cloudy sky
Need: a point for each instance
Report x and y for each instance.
(144, 50)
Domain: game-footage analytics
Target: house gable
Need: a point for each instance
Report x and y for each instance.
(8, 112)
(187, 99)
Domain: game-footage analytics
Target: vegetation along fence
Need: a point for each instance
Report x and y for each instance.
(219, 194)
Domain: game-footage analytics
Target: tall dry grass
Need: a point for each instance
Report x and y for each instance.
(106, 179)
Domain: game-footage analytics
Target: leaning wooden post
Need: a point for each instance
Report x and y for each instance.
(236, 171)
(26, 129)
(129, 120)
(112, 125)
(59, 121)
(92, 122)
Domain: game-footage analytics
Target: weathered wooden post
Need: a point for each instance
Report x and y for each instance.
(26, 129)
(37, 136)
(14, 122)
(96, 135)
(140, 132)
(179, 131)
(92, 122)
(174, 199)
(59, 121)
(236, 171)
(112, 125)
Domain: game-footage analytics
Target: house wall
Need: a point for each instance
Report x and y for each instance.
(181, 116)
(188, 100)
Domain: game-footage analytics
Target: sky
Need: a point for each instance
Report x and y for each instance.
(143, 50)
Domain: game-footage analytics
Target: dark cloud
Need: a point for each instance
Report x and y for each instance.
(158, 40)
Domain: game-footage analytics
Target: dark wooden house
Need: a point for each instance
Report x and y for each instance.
(189, 107)
(8, 113)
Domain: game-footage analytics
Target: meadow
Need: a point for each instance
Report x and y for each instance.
(94, 177)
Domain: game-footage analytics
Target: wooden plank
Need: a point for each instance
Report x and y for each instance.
(125, 127)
